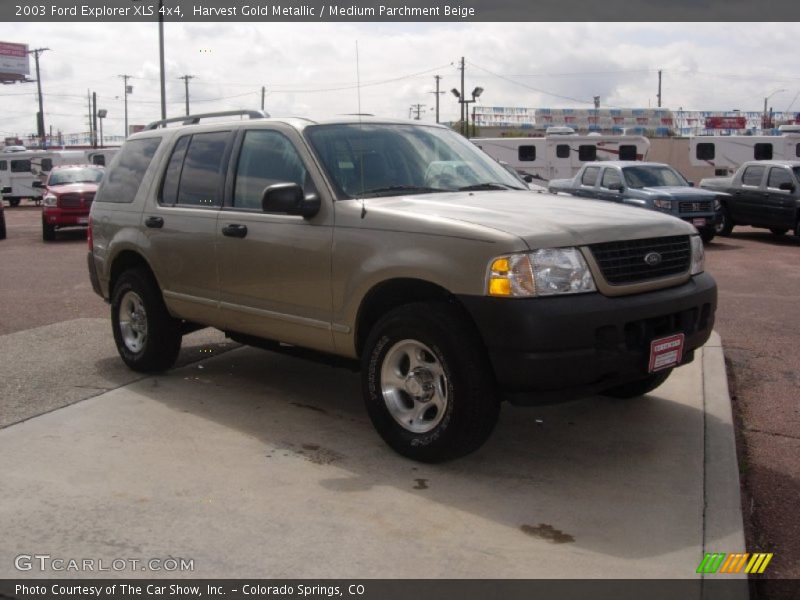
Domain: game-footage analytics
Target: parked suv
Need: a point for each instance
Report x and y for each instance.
(68, 195)
(403, 248)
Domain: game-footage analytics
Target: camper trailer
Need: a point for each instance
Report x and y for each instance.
(562, 152)
(726, 153)
(20, 170)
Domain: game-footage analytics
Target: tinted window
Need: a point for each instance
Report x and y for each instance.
(653, 176)
(267, 157)
(589, 176)
(587, 153)
(627, 152)
(705, 151)
(20, 166)
(777, 176)
(762, 152)
(752, 175)
(99, 159)
(797, 150)
(526, 153)
(3, 165)
(169, 187)
(47, 164)
(562, 151)
(127, 170)
(75, 175)
(611, 177)
(201, 176)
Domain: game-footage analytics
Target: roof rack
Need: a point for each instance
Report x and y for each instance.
(195, 119)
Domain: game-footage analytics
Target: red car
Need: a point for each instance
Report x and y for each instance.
(68, 195)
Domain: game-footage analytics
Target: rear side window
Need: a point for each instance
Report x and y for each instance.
(752, 175)
(121, 181)
(20, 166)
(589, 176)
(705, 151)
(777, 176)
(169, 187)
(526, 153)
(562, 151)
(587, 153)
(627, 152)
(194, 171)
(762, 151)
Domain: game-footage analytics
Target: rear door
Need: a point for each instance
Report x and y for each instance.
(749, 207)
(275, 269)
(781, 203)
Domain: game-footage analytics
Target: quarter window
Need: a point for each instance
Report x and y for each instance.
(705, 151)
(589, 176)
(267, 157)
(526, 153)
(777, 176)
(169, 187)
(194, 172)
(121, 182)
(587, 153)
(562, 151)
(752, 176)
(611, 177)
(762, 151)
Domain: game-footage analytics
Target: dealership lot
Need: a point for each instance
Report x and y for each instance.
(215, 459)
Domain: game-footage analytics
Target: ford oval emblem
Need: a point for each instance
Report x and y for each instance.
(653, 259)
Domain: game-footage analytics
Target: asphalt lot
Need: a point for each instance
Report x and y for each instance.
(46, 285)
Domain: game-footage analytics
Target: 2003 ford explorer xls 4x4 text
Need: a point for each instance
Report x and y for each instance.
(399, 245)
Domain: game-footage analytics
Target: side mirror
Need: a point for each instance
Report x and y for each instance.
(786, 186)
(691, 184)
(616, 187)
(527, 178)
(288, 198)
(37, 184)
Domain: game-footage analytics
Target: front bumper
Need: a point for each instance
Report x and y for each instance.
(63, 218)
(546, 349)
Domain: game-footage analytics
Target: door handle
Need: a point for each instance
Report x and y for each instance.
(235, 230)
(154, 222)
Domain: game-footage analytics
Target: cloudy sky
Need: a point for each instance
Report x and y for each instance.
(310, 69)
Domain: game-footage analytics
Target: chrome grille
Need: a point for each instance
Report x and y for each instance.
(76, 200)
(624, 262)
(687, 206)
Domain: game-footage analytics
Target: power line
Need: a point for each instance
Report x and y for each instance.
(525, 85)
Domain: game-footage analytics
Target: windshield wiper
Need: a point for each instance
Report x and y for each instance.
(401, 188)
(487, 186)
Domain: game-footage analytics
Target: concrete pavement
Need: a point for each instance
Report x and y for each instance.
(259, 465)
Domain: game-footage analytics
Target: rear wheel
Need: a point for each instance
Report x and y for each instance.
(14, 201)
(427, 384)
(48, 231)
(724, 224)
(640, 387)
(148, 339)
(778, 231)
(2, 224)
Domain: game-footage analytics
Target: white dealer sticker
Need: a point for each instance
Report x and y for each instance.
(666, 352)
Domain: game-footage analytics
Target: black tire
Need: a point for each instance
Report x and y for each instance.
(14, 202)
(778, 231)
(707, 234)
(640, 387)
(2, 224)
(48, 231)
(459, 371)
(724, 224)
(156, 334)
(797, 229)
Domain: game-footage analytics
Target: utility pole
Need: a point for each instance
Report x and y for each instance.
(125, 79)
(40, 116)
(94, 119)
(91, 129)
(186, 79)
(437, 93)
(263, 95)
(417, 108)
(161, 59)
(461, 100)
(659, 88)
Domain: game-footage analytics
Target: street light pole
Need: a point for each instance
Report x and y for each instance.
(161, 59)
(764, 118)
(125, 80)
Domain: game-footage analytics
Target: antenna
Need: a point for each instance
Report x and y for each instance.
(361, 149)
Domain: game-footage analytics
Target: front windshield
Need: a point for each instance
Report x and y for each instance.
(370, 160)
(649, 176)
(64, 176)
(796, 171)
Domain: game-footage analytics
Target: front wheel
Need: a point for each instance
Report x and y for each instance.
(427, 383)
(148, 339)
(48, 231)
(707, 234)
(12, 202)
(724, 224)
(779, 231)
(2, 224)
(640, 387)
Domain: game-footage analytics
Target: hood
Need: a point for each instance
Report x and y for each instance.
(72, 188)
(680, 191)
(541, 220)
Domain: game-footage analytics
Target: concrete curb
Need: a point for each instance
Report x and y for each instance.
(723, 523)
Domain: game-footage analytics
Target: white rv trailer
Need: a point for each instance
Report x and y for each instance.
(560, 155)
(19, 170)
(726, 153)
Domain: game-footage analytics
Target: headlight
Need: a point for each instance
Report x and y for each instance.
(50, 200)
(545, 272)
(698, 255)
(663, 203)
(717, 205)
